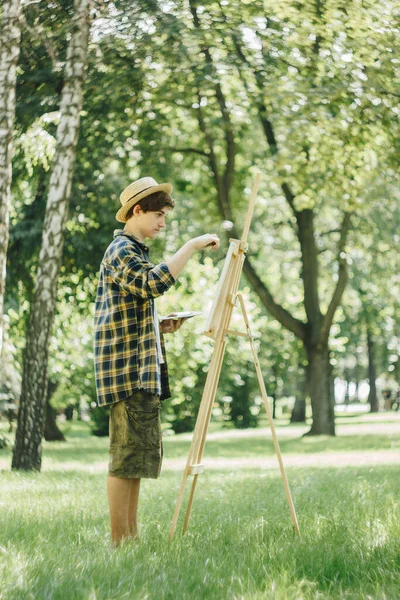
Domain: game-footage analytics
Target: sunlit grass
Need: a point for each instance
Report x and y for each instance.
(54, 538)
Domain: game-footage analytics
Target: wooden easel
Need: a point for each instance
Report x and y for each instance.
(217, 328)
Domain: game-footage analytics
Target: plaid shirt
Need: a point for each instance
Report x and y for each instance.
(125, 350)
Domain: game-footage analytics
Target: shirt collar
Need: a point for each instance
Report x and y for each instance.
(118, 232)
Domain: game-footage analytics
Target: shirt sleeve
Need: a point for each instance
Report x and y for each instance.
(139, 277)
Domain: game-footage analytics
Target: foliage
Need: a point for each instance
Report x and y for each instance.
(10, 377)
(371, 301)
(100, 419)
(324, 74)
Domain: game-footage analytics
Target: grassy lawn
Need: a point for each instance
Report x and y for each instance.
(54, 538)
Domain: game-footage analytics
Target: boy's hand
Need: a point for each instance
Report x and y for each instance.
(209, 240)
(171, 325)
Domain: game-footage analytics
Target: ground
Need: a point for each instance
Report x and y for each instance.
(54, 538)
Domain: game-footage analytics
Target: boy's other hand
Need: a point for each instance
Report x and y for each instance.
(209, 240)
(171, 325)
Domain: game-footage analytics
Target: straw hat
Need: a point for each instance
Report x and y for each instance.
(136, 191)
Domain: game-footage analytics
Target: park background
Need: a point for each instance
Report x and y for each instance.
(202, 95)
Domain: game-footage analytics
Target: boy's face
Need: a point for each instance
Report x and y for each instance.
(149, 224)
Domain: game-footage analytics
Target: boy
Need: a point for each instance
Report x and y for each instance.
(130, 364)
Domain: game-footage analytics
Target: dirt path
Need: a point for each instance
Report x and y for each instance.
(325, 459)
(383, 424)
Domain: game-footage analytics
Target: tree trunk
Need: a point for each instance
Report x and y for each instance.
(347, 391)
(331, 392)
(321, 392)
(51, 432)
(273, 406)
(27, 450)
(69, 412)
(372, 396)
(9, 53)
(357, 390)
(299, 409)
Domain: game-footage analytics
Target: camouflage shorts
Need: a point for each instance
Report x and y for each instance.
(135, 437)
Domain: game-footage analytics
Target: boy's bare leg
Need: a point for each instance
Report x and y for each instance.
(118, 491)
(133, 507)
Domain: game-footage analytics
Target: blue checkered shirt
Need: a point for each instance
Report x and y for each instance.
(125, 344)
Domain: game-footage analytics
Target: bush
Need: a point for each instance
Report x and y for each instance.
(100, 418)
(183, 424)
(3, 442)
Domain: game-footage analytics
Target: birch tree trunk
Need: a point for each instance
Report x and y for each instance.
(10, 36)
(27, 453)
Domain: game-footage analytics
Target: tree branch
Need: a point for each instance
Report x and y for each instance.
(263, 116)
(276, 310)
(310, 269)
(342, 280)
(289, 198)
(336, 230)
(212, 159)
(228, 129)
(305, 219)
(259, 287)
(25, 4)
(187, 150)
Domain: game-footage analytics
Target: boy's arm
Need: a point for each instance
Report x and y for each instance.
(135, 275)
(177, 263)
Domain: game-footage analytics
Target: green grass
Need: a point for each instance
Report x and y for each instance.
(55, 544)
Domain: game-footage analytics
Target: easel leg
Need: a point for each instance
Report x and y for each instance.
(199, 437)
(190, 502)
(268, 410)
(178, 506)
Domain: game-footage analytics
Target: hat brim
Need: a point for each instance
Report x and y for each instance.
(123, 211)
